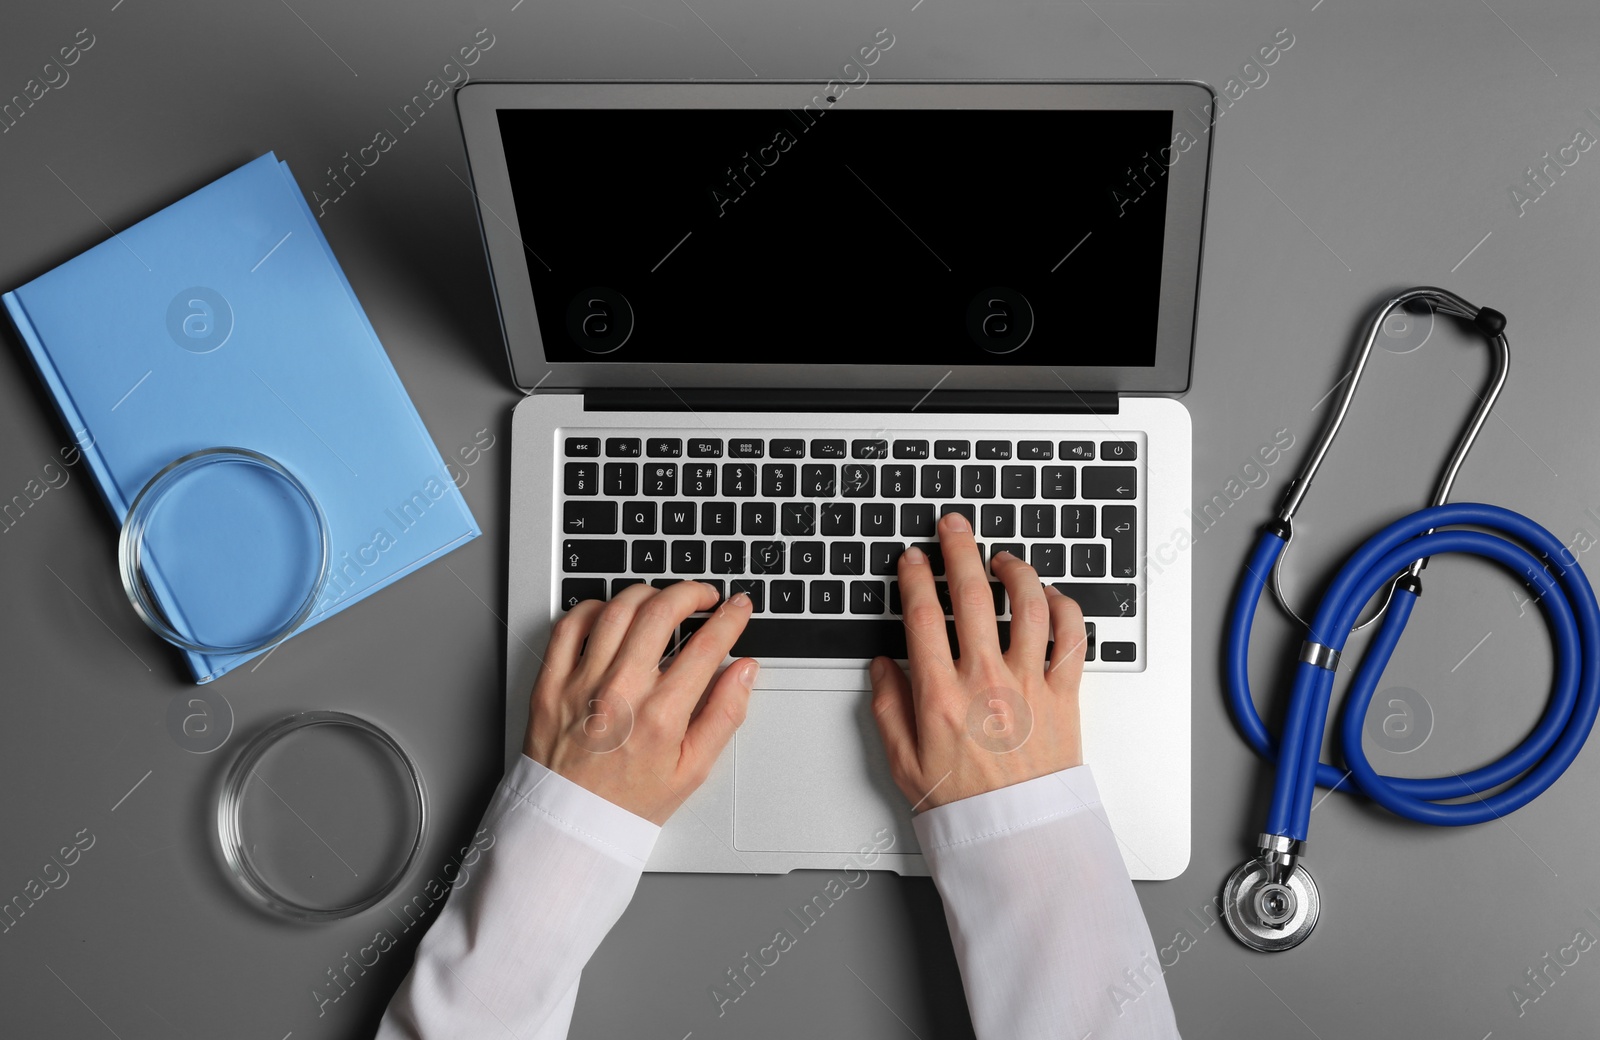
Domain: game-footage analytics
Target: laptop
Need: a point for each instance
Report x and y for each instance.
(770, 332)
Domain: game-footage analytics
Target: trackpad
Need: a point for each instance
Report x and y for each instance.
(810, 776)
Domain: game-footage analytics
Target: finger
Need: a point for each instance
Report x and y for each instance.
(927, 643)
(714, 725)
(655, 624)
(697, 660)
(897, 723)
(1072, 639)
(970, 595)
(566, 640)
(609, 627)
(1030, 613)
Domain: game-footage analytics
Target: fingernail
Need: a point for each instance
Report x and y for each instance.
(1003, 552)
(876, 668)
(741, 598)
(747, 674)
(957, 522)
(914, 555)
(1048, 589)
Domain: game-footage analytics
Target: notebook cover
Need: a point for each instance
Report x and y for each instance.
(277, 355)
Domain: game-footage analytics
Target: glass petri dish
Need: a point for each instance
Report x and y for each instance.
(224, 551)
(321, 816)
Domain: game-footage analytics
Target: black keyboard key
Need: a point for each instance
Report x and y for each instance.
(916, 519)
(850, 638)
(788, 597)
(819, 481)
(1089, 560)
(877, 519)
(583, 478)
(1077, 451)
(798, 518)
(808, 558)
(847, 558)
(1088, 635)
(594, 556)
(858, 480)
(661, 479)
(867, 597)
(1077, 521)
(718, 518)
(777, 480)
(688, 557)
(827, 597)
(1049, 559)
(622, 447)
(827, 449)
(589, 517)
(758, 518)
(977, 481)
(1058, 481)
(677, 517)
(727, 557)
(994, 449)
(1038, 521)
(838, 518)
(999, 521)
(584, 448)
(952, 449)
(965, 509)
(884, 557)
(910, 449)
(649, 556)
(1017, 481)
(766, 557)
(664, 447)
(1110, 481)
(1116, 651)
(788, 449)
(899, 481)
(576, 590)
(1039, 451)
(869, 449)
(935, 554)
(705, 447)
(1016, 549)
(755, 588)
(1101, 599)
(746, 448)
(618, 584)
(621, 479)
(1119, 451)
(700, 479)
(1122, 528)
(938, 482)
(663, 583)
(638, 518)
(739, 479)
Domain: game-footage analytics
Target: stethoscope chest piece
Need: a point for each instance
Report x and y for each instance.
(1269, 915)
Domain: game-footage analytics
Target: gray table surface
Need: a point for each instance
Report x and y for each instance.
(1380, 150)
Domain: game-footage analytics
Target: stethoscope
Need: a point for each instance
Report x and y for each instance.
(1270, 901)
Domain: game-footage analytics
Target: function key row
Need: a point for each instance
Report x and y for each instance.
(838, 448)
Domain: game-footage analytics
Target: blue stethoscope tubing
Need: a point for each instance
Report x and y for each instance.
(1569, 607)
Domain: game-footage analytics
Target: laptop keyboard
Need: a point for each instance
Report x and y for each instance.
(812, 526)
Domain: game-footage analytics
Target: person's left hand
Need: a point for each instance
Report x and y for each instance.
(612, 721)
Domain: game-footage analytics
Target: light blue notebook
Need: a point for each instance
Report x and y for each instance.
(224, 320)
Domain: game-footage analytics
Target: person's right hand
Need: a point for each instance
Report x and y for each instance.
(956, 728)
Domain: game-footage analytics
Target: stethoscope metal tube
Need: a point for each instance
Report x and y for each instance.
(1270, 902)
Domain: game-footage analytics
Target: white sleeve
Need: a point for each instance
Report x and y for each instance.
(559, 867)
(1047, 930)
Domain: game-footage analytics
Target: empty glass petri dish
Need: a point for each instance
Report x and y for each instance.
(224, 551)
(321, 816)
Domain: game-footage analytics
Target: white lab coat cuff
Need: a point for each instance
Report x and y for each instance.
(1008, 809)
(602, 825)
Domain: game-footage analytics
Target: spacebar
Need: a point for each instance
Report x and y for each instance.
(828, 637)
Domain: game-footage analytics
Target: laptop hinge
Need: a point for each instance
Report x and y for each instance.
(724, 399)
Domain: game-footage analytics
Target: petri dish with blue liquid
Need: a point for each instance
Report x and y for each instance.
(224, 551)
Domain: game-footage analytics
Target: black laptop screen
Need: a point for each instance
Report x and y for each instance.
(864, 236)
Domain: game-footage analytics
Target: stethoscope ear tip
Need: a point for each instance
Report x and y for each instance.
(1267, 915)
